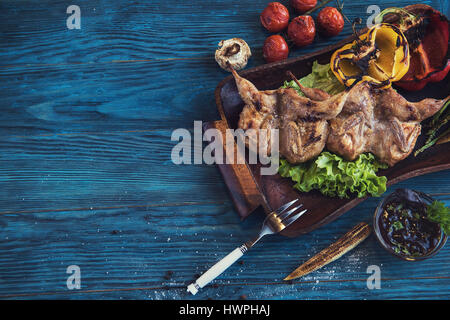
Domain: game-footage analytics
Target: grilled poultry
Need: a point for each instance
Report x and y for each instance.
(361, 119)
(301, 121)
(379, 121)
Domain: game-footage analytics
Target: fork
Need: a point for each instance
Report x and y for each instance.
(275, 222)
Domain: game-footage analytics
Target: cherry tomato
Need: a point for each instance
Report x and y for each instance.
(330, 21)
(302, 30)
(302, 6)
(275, 48)
(275, 17)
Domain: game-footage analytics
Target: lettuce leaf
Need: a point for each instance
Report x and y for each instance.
(335, 177)
(321, 77)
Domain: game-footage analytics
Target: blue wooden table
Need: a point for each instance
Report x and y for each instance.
(86, 177)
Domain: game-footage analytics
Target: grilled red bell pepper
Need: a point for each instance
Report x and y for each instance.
(427, 32)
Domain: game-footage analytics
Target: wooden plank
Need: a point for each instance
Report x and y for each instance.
(77, 172)
(85, 166)
(82, 171)
(43, 100)
(308, 290)
(123, 251)
(36, 33)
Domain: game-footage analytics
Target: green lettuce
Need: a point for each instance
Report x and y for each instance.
(335, 177)
(321, 77)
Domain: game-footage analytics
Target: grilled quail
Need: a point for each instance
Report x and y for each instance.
(361, 119)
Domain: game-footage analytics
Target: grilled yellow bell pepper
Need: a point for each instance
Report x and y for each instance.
(380, 56)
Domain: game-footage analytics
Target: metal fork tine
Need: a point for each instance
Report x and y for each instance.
(284, 207)
(289, 220)
(287, 213)
(274, 223)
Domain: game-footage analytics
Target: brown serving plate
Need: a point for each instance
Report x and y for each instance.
(250, 190)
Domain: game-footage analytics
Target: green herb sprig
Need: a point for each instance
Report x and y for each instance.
(439, 213)
(439, 120)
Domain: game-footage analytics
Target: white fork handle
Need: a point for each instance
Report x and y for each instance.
(217, 269)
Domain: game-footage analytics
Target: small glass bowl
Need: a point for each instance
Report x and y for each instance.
(379, 210)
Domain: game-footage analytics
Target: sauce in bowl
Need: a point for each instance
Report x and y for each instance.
(402, 227)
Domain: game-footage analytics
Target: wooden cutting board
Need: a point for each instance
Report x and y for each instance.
(250, 190)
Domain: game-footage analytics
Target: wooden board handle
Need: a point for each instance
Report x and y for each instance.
(239, 179)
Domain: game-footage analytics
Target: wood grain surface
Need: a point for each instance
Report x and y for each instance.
(272, 191)
(85, 171)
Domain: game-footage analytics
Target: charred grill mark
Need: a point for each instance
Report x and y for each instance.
(318, 115)
(312, 133)
(347, 51)
(416, 32)
(357, 80)
(258, 104)
(363, 63)
(312, 137)
(399, 135)
(308, 119)
(311, 141)
(405, 50)
(336, 62)
(370, 33)
(354, 121)
(382, 83)
(374, 90)
(398, 42)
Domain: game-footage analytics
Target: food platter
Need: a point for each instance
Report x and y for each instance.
(250, 190)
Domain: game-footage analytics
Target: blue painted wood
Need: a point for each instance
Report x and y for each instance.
(86, 176)
(124, 251)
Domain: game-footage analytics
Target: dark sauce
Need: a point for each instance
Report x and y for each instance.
(406, 229)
